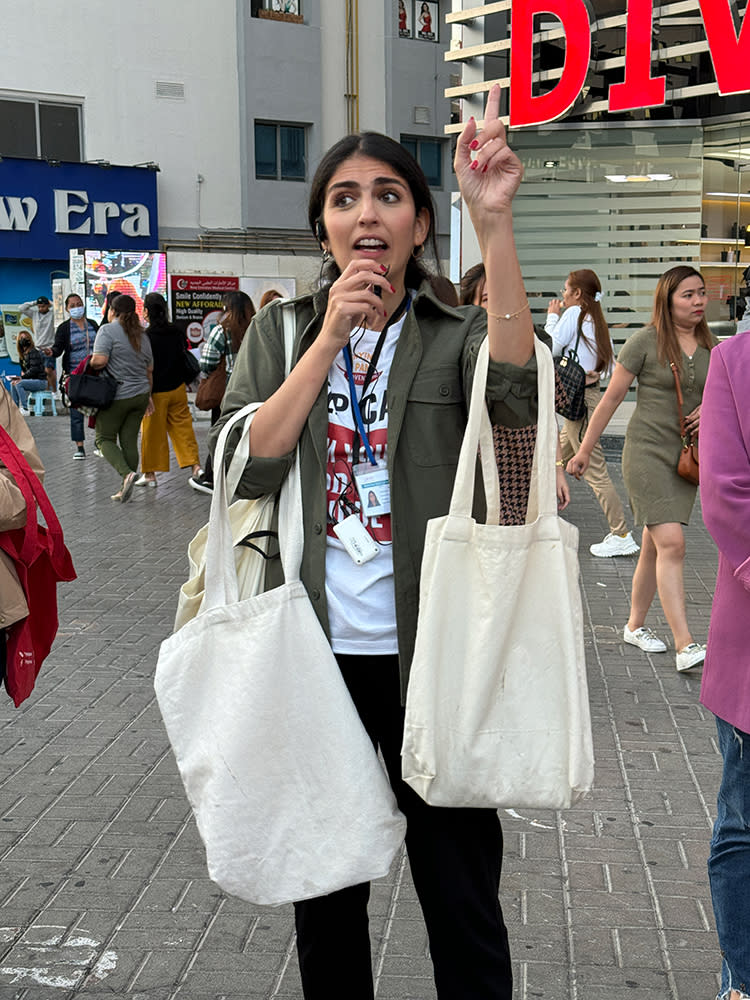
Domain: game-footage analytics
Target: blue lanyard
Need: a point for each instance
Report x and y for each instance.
(405, 306)
(356, 410)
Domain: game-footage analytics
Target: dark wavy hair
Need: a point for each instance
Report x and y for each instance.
(387, 150)
(239, 312)
(472, 283)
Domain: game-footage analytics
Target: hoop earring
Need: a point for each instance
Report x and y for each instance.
(418, 251)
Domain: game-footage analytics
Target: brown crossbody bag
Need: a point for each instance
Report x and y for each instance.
(687, 466)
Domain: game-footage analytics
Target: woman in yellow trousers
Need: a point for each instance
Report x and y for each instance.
(171, 418)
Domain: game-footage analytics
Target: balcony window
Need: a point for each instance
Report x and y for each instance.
(278, 10)
(42, 129)
(429, 155)
(280, 153)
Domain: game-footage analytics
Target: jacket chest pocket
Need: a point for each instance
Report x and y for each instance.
(435, 417)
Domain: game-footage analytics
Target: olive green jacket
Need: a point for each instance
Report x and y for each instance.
(428, 390)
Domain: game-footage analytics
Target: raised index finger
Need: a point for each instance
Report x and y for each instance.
(492, 108)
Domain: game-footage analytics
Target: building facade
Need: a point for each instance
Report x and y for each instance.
(230, 104)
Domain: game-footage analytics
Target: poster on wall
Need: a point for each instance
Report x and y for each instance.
(128, 273)
(256, 288)
(426, 17)
(195, 302)
(12, 322)
(404, 20)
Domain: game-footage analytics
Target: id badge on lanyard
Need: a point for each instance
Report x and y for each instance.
(373, 487)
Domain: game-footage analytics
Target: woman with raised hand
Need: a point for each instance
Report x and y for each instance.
(514, 446)
(583, 329)
(376, 339)
(677, 339)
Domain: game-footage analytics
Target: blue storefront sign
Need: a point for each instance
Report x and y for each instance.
(47, 209)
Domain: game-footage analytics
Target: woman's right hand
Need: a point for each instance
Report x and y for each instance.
(555, 305)
(578, 463)
(352, 301)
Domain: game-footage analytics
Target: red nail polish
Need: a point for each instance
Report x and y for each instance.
(471, 119)
(392, 289)
(384, 269)
(474, 164)
(484, 168)
(385, 313)
(474, 144)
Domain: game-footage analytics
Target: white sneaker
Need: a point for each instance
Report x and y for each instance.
(690, 656)
(644, 639)
(97, 453)
(24, 411)
(615, 545)
(143, 481)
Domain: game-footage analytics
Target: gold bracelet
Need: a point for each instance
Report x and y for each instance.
(509, 315)
(560, 464)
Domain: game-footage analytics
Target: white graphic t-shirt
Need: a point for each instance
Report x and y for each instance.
(361, 600)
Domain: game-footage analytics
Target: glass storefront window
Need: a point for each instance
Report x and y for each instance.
(725, 234)
(623, 201)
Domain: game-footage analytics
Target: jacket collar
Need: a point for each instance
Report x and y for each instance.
(406, 361)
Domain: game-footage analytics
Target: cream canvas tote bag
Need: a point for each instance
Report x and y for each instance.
(497, 710)
(288, 794)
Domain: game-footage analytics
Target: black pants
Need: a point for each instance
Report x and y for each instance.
(208, 465)
(455, 857)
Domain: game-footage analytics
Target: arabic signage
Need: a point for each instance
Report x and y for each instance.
(728, 48)
(196, 302)
(48, 208)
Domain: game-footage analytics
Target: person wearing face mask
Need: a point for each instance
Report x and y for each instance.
(74, 340)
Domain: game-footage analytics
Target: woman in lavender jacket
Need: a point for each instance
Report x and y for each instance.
(725, 690)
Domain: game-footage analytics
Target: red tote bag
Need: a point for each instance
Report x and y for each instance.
(41, 561)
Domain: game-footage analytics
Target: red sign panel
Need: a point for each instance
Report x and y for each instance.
(730, 54)
(196, 302)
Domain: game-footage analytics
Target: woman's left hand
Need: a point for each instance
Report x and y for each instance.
(489, 182)
(562, 489)
(150, 409)
(692, 420)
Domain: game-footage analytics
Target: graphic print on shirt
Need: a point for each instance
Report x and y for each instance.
(341, 425)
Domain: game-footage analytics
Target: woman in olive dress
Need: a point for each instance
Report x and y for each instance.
(661, 500)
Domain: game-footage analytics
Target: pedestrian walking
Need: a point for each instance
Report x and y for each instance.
(220, 350)
(661, 500)
(583, 329)
(725, 687)
(124, 349)
(376, 326)
(74, 340)
(171, 418)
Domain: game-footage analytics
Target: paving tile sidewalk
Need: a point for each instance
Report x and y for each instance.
(103, 890)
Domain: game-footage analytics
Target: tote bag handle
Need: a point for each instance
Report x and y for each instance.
(478, 434)
(242, 452)
(31, 488)
(221, 585)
